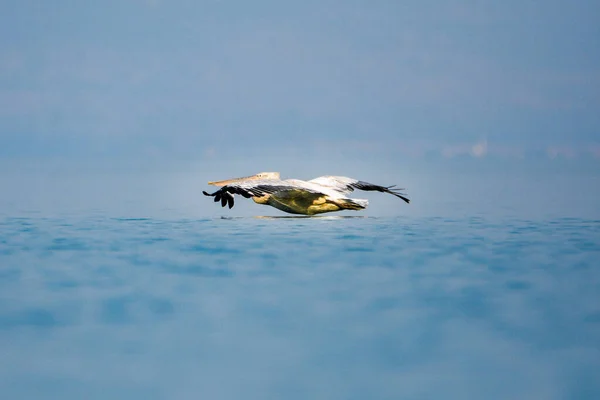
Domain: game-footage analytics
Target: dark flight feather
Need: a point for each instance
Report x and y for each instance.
(361, 185)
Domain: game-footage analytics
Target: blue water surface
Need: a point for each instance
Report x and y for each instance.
(93, 307)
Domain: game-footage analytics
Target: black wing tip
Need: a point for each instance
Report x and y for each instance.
(401, 196)
(222, 196)
(362, 185)
(396, 193)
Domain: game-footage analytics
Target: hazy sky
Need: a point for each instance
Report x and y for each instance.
(409, 91)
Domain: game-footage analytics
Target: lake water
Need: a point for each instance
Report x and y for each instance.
(299, 308)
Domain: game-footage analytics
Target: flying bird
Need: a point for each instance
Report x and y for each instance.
(294, 196)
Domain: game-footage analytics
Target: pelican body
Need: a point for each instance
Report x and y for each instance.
(294, 196)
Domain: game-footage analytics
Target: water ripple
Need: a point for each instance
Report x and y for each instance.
(359, 307)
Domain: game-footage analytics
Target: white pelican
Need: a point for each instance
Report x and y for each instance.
(319, 195)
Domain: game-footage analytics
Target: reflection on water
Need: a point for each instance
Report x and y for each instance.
(287, 307)
(333, 217)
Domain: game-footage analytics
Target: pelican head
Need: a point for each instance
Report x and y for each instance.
(259, 176)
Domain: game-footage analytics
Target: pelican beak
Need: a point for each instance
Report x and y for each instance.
(235, 180)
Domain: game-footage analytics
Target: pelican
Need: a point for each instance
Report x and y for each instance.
(294, 196)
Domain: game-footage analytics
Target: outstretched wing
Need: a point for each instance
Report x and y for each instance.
(343, 184)
(252, 188)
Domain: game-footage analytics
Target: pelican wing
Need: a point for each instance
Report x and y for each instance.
(345, 185)
(252, 188)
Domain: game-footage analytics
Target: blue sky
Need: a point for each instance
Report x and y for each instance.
(407, 91)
